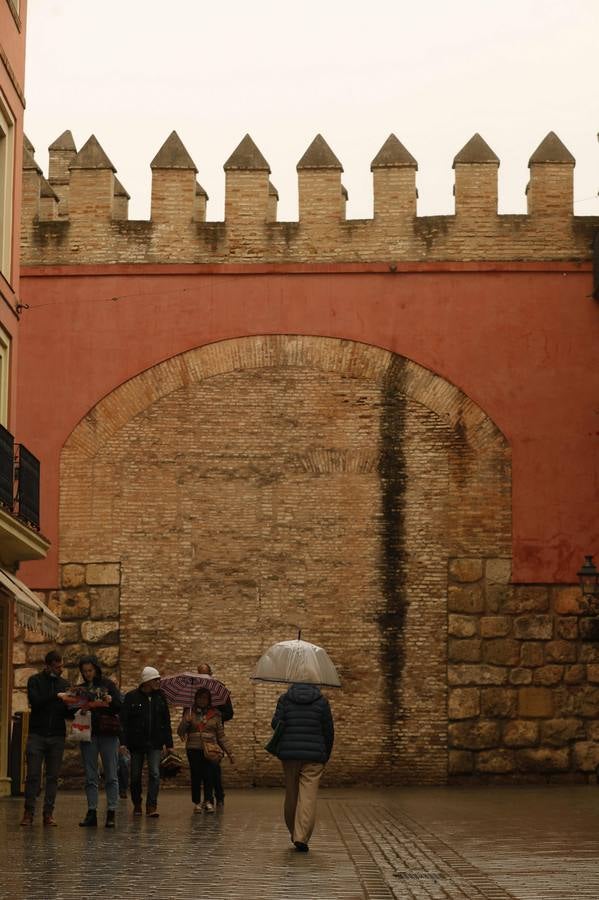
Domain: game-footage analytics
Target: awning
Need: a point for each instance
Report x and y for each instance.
(31, 612)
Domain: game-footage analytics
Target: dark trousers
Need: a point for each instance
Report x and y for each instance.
(40, 750)
(202, 774)
(219, 793)
(137, 763)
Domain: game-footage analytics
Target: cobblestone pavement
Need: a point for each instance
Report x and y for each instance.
(453, 843)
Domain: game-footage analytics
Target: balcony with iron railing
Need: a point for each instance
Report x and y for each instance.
(20, 537)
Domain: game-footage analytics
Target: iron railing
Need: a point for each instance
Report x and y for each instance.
(19, 480)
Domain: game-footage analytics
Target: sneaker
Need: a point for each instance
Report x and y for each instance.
(90, 820)
(27, 818)
(49, 819)
(208, 806)
(110, 823)
(152, 812)
(197, 807)
(301, 847)
(137, 809)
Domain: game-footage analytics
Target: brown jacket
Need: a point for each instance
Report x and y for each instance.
(211, 724)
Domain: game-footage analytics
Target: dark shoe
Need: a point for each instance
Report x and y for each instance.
(110, 823)
(91, 819)
(137, 809)
(152, 812)
(301, 847)
(27, 818)
(49, 819)
(123, 795)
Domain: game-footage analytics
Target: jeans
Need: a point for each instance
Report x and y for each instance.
(107, 746)
(39, 750)
(202, 772)
(137, 764)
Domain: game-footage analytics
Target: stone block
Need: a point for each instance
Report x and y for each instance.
(495, 626)
(71, 654)
(592, 729)
(561, 652)
(22, 676)
(105, 602)
(475, 735)
(19, 653)
(461, 762)
(462, 626)
(560, 732)
(498, 761)
(574, 674)
(501, 651)
(535, 702)
(466, 569)
(37, 652)
(72, 575)
(566, 627)
(34, 637)
(476, 675)
(497, 597)
(586, 755)
(463, 703)
(498, 571)
(520, 733)
(543, 759)
(498, 702)
(588, 653)
(533, 627)
(532, 654)
(100, 632)
(593, 673)
(587, 702)
(74, 605)
(467, 650)
(589, 628)
(69, 632)
(465, 598)
(19, 701)
(525, 599)
(548, 675)
(567, 601)
(520, 676)
(103, 573)
(108, 657)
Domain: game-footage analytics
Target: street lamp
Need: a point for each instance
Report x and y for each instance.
(588, 578)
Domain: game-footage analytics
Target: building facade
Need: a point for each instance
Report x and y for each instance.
(383, 432)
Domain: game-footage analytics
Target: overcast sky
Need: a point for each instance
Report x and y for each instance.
(433, 72)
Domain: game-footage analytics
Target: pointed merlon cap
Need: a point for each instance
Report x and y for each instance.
(476, 151)
(28, 145)
(173, 155)
(393, 155)
(551, 150)
(119, 190)
(64, 142)
(29, 163)
(344, 193)
(200, 192)
(91, 156)
(46, 190)
(319, 156)
(272, 191)
(247, 157)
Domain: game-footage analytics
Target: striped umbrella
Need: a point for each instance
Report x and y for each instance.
(180, 689)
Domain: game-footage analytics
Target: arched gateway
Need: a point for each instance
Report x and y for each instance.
(251, 487)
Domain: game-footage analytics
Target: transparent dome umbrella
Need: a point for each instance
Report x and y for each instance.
(292, 662)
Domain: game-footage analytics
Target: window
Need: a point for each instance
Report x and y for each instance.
(4, 375)
(7, 133)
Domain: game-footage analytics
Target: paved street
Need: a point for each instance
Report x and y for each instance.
(527, 843)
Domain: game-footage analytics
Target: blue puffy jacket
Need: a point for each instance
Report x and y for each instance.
(308, 731)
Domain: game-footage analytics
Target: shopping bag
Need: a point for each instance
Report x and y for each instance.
(81, 726)
(275, 741)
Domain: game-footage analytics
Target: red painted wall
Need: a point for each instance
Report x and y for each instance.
(521, 340)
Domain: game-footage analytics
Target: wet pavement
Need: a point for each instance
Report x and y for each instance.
(528, 843)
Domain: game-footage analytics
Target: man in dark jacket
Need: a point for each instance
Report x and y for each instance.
(147, 729)
(304, 749)
(47, 731)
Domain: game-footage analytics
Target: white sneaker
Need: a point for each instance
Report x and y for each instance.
(197, 808)
(209, 807)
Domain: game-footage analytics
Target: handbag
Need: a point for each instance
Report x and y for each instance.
(108, 725)
(275, 741)
(211, 749)
(81, 726)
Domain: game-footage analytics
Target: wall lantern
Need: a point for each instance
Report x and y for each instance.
(588, 578)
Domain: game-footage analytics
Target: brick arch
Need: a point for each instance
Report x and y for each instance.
(350, 358)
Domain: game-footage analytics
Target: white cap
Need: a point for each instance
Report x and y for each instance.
(149, 674)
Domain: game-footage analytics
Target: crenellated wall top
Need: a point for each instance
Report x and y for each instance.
(79, 213)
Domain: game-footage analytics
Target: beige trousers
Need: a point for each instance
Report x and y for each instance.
(301, 790)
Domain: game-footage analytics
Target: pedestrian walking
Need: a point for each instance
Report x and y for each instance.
(47, 731)
(303, 718)
(202, 729)
(102, 697)
(226, 712)
(147, 729)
